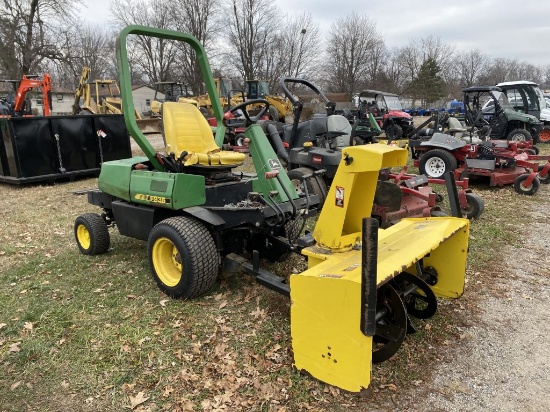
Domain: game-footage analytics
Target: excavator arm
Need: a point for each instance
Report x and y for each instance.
(30, 82)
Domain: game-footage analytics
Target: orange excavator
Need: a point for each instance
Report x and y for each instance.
(22, 105)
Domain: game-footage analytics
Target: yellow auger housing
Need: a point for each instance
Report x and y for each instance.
(341, 323)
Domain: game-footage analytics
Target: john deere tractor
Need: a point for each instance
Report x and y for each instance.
(351, 307)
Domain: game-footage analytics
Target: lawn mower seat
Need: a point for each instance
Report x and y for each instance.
(339, 130)
(185, 129)
(455, 127)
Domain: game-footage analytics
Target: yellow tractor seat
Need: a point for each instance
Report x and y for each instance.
(186, 130)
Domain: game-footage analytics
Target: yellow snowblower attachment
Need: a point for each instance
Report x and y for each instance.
(353, 304)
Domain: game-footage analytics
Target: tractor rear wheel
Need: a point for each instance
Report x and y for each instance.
(435, 163)
(519, 135)
(295, 176)
(475, 206)
(91, 234)
(523, 189)
(183, 257)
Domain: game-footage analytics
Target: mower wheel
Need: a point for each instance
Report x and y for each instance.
(91, 234)
(295, 176)
(544, 136)
(475, 206)
(183, 257)
(526, 190)
(393, 131)
(438, 213)
(519, 135)
(435, 163)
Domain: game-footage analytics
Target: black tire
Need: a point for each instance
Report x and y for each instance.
(438, 213)
(519, 135)
(535, 149)
(475, 207)
(91, 234)
(394, 131)
(274, 113)
(295, 176)
(183, 257)
(524, 190)
(435, 163)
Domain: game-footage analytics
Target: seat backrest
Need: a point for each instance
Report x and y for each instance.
(185, 128)
(338, 123)
(454, 123)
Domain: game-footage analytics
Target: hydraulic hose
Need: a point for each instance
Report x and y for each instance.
(276, 142)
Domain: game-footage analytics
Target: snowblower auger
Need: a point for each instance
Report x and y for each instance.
(351, 307)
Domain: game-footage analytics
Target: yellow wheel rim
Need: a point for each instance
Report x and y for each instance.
(83, 236)
(167, 262)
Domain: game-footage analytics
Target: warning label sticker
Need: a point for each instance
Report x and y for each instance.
(339, 196)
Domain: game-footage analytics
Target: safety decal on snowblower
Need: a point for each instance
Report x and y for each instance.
(152, 199)
(339, 196)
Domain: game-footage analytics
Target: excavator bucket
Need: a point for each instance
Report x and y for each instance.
(352, 306)
(149, 126)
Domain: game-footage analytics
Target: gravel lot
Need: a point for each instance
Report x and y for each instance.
(507, 362)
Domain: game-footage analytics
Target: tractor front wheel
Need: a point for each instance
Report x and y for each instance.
(91, 234)
(435, 163)
(475, 206)
(523, 189)
(183, 257)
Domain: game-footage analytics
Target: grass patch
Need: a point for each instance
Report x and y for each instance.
(94, 333)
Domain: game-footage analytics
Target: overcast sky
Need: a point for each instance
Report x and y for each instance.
(499, 28)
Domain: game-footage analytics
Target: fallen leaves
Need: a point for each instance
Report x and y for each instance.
(14, 347)
(137, 400)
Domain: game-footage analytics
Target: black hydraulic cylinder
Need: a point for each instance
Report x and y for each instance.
(369, 262)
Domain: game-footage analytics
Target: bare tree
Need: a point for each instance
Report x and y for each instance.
(151, 59)
(196, 17)
(351, 42)
(252, 25)
(28, 33)
(471, 65)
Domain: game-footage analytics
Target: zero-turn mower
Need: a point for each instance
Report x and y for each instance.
(504, 162)
(354, 303)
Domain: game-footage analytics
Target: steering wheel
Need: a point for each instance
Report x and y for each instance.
(243, 106)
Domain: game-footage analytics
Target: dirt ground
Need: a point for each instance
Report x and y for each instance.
(506, 363)
(502, 362)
